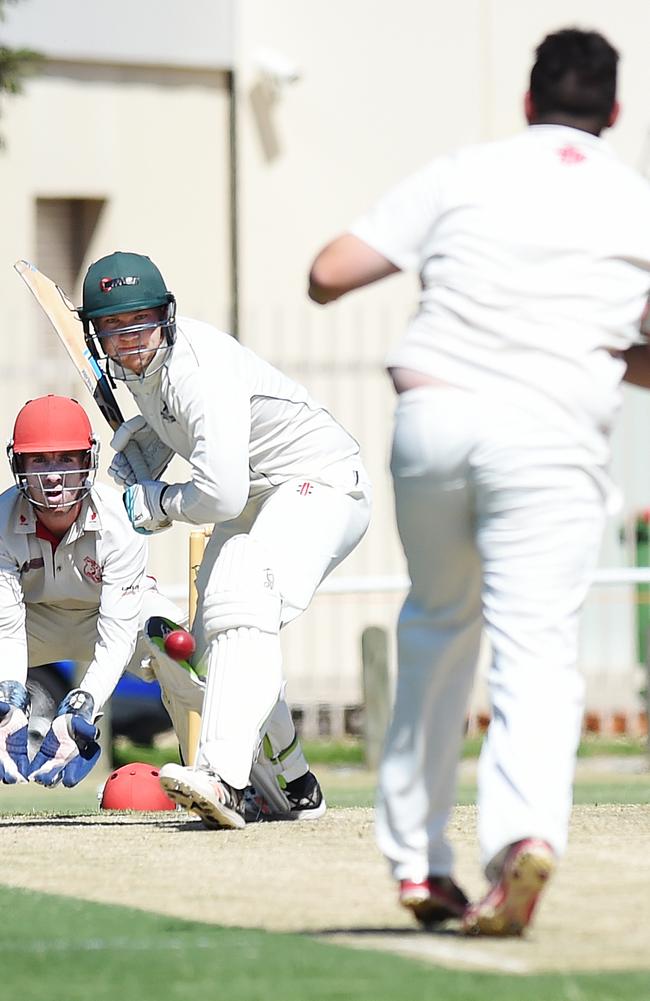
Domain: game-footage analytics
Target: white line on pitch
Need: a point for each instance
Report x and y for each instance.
(462, 953)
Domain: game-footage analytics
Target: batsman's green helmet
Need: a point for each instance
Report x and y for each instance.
(122, 283)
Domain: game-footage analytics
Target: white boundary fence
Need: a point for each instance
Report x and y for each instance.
(393, 584)
(376, 673)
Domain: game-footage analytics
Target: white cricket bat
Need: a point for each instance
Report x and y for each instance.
(65, 320)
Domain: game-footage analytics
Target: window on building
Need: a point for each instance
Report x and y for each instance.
(64, 230)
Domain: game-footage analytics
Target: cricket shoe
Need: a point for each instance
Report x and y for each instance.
(204, 793)
(306, 800)
(509, 905)
(303, 795)
(432, 900)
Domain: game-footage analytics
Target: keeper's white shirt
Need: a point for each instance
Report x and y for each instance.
(89, 588)
(243, 426)
(534, 259)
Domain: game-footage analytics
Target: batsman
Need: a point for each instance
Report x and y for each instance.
(73, 586)
(283, 485)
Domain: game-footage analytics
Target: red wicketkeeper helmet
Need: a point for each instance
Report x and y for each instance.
(135, 787)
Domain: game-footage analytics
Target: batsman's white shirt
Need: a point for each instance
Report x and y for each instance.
(529, 303)
(272, 466)
(81, 601)
(244, 426)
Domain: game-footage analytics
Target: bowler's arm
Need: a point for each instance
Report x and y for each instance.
(345, 264)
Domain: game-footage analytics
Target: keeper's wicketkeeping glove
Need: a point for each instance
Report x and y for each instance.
(69, 749)
(14, 718)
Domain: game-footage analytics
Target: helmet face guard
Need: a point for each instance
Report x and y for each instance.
(136, 345)
(55, 432)
(54, 487)
(126, 283)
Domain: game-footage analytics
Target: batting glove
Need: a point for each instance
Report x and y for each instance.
(143, 503)
(121, 471)
(14, 716)
(155, 453)
(69, 749)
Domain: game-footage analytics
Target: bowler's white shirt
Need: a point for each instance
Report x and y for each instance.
(99, 566)
(243, 426)
(534, 259)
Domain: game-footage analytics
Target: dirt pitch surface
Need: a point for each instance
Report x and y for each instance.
(327, 879)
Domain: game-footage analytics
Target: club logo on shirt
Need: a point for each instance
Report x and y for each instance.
(92, 570)
(570, 155)
(305, 488)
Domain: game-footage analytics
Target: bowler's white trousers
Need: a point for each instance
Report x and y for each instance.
(501, 519)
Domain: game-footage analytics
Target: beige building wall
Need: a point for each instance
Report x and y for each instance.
(149, 145)
(333, 103)
(382, 88)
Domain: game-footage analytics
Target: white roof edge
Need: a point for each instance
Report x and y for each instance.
(193, 34)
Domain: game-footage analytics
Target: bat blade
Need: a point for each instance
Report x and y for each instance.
(63, 317)
(65, 320)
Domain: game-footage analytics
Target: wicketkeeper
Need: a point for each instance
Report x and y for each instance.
(283, 484)
(72, 587)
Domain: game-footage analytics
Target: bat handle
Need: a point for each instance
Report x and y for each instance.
(137, 461)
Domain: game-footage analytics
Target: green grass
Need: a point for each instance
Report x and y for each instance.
(334, 752)
(124, 754)
(585, 793)
(69, 950)
(345, 786)
(628, 789)
(321, 752)
(350, 751)
(593, 746)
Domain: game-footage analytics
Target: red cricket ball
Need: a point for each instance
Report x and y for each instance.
(179, 644)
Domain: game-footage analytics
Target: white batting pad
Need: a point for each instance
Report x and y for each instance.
(241, 619)
(241, 589)
(244, 681)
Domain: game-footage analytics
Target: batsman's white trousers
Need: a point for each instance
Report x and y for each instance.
(306, 528)
(501, 519)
